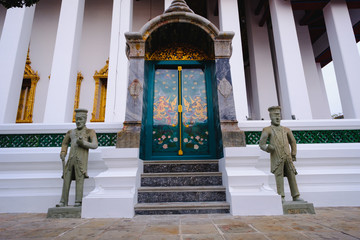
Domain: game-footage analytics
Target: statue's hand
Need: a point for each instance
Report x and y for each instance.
(62, 156)
(270, 148)
(293, 158)
(80, 142)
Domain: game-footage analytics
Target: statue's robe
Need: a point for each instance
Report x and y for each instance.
(281, 158)
(77, 164)
(78, 155)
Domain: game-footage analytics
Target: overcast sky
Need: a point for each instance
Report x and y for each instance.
(331, 87)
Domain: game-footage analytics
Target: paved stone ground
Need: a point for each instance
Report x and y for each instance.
(328, 223)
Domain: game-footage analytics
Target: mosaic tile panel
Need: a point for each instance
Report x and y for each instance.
(48, 140)
(313, 136)
(109, 139)
(106, 139)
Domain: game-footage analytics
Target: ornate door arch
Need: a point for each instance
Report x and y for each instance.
(178, 38)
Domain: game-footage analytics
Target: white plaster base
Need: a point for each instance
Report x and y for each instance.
(328, 176)
(252, 204)
(30, 179)
(248, 188)
(115, 193)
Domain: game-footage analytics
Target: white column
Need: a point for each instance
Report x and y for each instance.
(229, 21)
(345, 56)
(14, 44)
(118, 63)
(322, 86)
(2, 18)
(61, 93)
(263, 84)
(319, 103)
(294, 94)
(167, 4)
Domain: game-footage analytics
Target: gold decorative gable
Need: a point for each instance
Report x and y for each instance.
(27, 94)
(177, 53)
(98, 113)
(103, 73)
(29, 73)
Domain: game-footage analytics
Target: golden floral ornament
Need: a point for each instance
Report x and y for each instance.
(177, 53)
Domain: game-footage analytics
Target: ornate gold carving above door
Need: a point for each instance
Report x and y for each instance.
(177, 53)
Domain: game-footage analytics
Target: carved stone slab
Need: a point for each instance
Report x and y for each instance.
(64, 212)
(135, 88)
(298, 207)
(225, 87)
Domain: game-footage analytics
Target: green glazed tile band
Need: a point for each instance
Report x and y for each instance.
(109, 139)
(48, 140)
(313, 136)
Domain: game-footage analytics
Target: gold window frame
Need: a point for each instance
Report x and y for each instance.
(98, 113)
(27, 94)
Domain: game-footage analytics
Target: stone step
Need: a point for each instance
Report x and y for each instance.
(181, 179)
(182, 208)
(181, 166)
(181, 194)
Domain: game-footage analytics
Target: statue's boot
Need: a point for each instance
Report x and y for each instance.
(297, 199)
(60, 204)
(77, 204)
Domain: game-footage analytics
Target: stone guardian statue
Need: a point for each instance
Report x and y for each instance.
(81, 139)
(282, 158)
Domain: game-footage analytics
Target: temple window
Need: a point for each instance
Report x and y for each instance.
(27, 94)
(98, 114)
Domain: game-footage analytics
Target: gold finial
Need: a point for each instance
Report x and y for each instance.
(28, 57)
(178, 6)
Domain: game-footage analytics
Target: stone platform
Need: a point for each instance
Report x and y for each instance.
(298, 207)
(328, 223)
(64, 212)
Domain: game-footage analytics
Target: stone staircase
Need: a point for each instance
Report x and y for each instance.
(181, 187)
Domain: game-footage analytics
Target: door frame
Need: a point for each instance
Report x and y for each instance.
(215, 145)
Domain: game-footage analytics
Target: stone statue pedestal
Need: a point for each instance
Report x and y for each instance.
(232, 136)
(129, 136)
(64, 212)
(298, 207)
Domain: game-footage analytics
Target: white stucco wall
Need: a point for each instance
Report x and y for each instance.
(145, 10)
(42, 43)
(261, 86)
(95, 47)
(212, 15)
(2, 18)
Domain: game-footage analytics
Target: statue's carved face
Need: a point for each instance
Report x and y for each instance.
(80, 121)
(275, 117)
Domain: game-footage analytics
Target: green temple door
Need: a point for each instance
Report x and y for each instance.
(180, 116)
